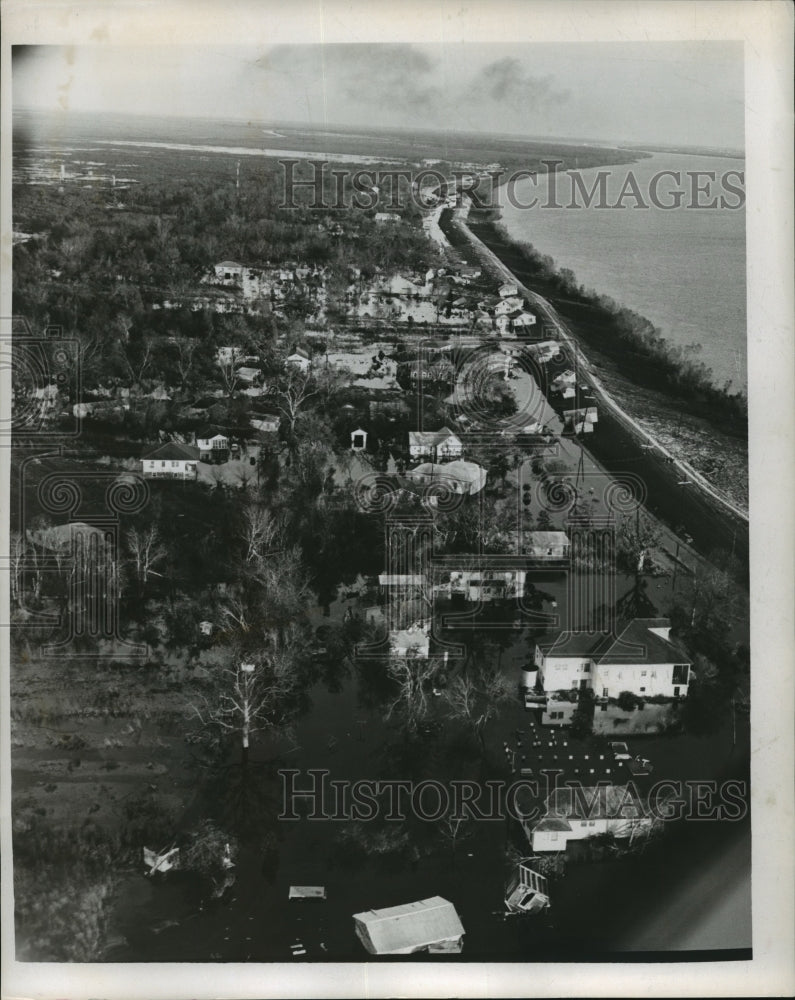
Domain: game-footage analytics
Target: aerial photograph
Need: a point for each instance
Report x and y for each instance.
(378, 505)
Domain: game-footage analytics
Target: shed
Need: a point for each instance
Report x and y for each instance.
(428, 925)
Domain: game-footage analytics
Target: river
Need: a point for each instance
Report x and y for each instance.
(684, 269)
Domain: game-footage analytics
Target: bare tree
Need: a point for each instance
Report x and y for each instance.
(247, 698)
(260, 532)
(138, 368)
(185, 351)
(452, 829)
(146, 551)
(227, 365)
(414, 677)
(476, 699)
(295, 389)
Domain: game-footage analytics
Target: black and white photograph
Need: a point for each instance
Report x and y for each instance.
(390, 419)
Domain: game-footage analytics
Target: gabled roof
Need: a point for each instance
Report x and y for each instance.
(605, 802)
(637, 644)
(229, 263)
(210, 431)
(431, 438)
(403, 929)
(550, 824)
(173, 451)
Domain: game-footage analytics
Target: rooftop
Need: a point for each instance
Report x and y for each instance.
(173, 451)
(407, 928)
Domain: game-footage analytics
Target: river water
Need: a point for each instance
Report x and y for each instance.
(684, 268)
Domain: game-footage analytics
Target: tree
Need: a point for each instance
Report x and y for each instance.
(146, 551)
(291, 395)
(246, 698)
(185, 348)
(476, 699)
(637, 535)
(259, 531)
(413, 676)
(452, 829)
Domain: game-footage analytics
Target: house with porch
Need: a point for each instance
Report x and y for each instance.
(435, 445)
(171, 461)
(212, 443)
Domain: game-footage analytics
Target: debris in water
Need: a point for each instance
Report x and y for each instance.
(307, 892)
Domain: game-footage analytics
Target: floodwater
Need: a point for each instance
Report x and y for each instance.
(343, 730)
(603, 908)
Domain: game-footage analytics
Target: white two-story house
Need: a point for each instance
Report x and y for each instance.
(171, 461)
(641, 659)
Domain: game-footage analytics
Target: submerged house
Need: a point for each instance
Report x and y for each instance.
(431, 925)
(484, 583)
(583, 812)
(641, 659)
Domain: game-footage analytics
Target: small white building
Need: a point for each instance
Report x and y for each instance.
(248, 375)
(171, 461)
(508, 290)
(435, 445)
(430, 925)
(382, 217)
(299, 359)
(229, 271)
(524, 321)
(544, 350)
(358, 440)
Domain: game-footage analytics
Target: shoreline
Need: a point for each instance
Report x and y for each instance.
(710, 517)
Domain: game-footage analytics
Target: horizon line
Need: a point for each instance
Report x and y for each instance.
(633, 144)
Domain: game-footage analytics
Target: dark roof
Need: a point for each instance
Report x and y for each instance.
(174, 451)
(636, 644)
(209, 431)
(552, 823)
(607, 802)
(573, 644)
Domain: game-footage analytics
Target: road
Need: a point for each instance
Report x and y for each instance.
(679, 496)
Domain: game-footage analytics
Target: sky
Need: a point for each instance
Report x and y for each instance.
(667, 93)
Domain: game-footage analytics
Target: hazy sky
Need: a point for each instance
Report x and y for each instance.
(655, 92)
